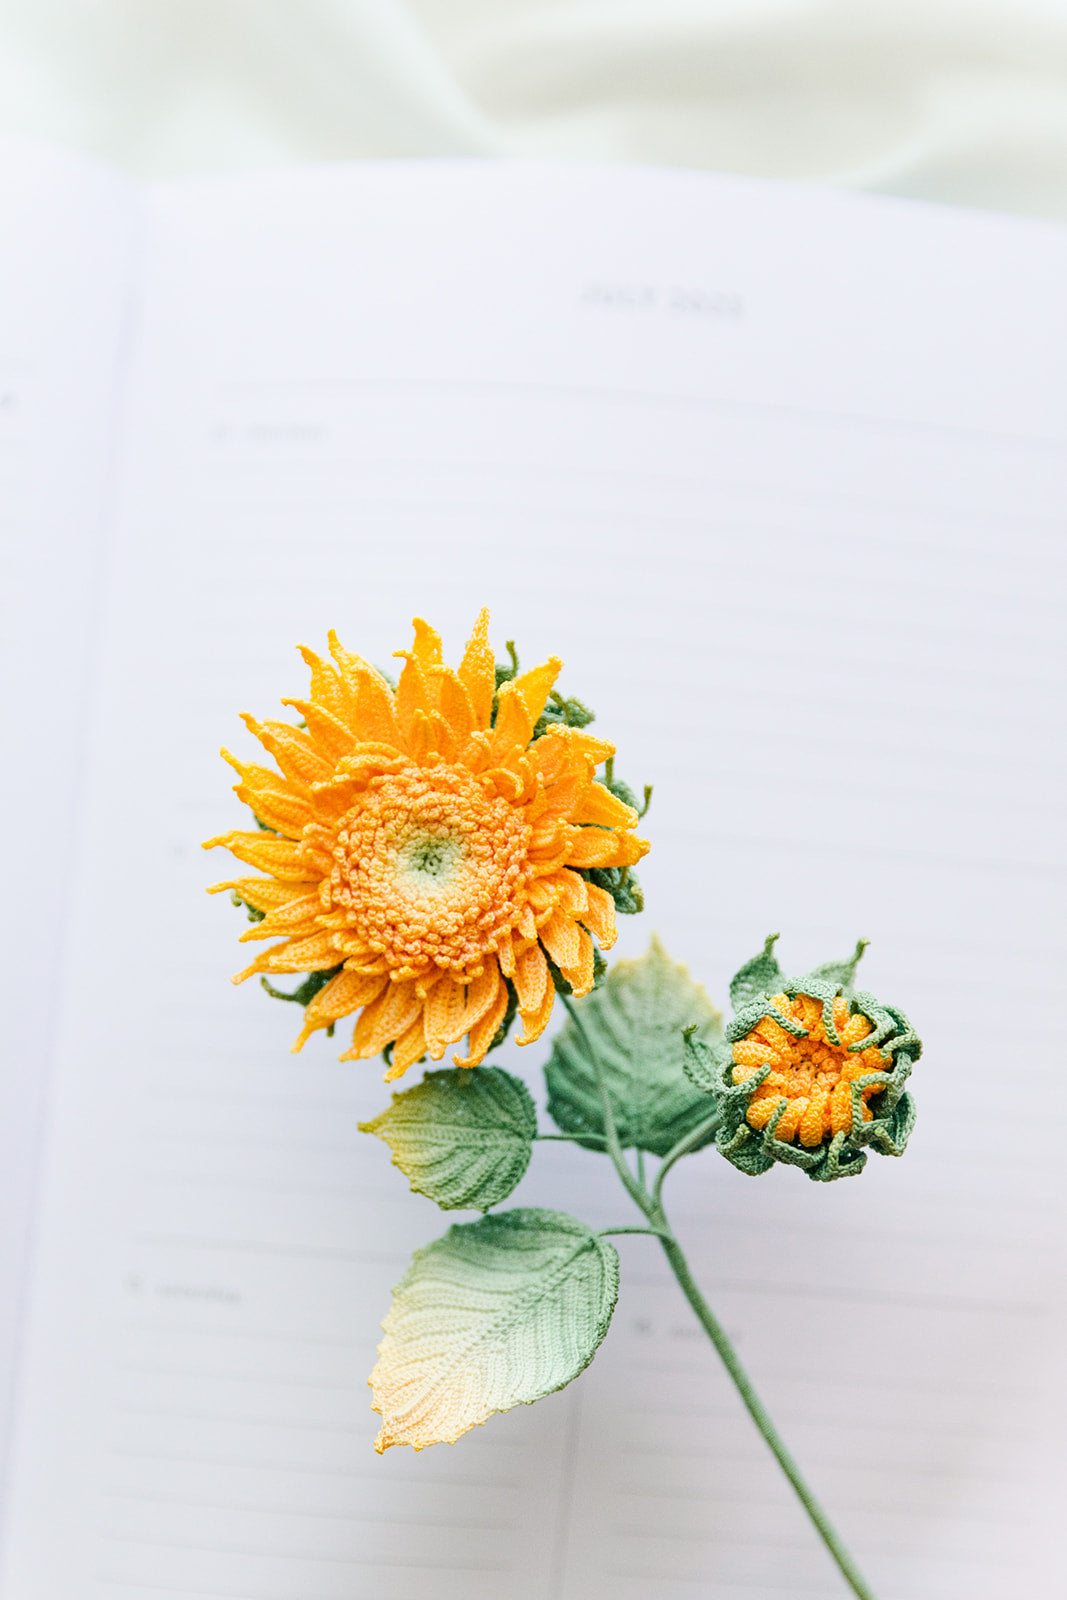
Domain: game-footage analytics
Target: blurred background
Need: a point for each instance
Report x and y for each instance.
(963, 101)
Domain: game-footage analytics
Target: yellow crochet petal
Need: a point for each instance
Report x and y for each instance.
(424, 837)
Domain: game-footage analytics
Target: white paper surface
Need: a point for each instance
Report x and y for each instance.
(783, 479)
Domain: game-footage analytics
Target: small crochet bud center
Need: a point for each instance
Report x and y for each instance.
(813, 1074)
(429, 867)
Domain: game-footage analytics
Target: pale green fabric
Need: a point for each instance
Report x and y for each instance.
(957, 100)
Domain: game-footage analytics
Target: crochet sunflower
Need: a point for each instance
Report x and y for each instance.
(429, 853)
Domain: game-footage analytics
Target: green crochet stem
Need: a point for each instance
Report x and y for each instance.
(651, 1204)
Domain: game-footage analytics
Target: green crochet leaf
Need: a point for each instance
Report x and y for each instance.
(498, 1313)
(462, 1137)
(762, 975)
(634, 1025)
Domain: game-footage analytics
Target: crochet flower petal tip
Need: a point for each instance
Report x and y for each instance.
(430, 853)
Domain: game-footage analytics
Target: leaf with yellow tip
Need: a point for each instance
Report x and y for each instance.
(462, 1137)
(497, 1313)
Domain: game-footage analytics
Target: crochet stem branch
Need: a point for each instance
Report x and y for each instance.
(756, 1409)
(636, 1191)
(572, 1138)
(652, 1207)
(682, 1148)
(656, 1233)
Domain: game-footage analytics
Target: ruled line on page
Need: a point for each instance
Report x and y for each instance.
(853, 1296)
(211, 1141)
(274, 1379)
(772, 1539)
(309, 1470)
(902, 1384)
(213, 1592)
(968, 520)
(723, 1589)
(799, 1416)
(265, 1335)
(677, 1365)
(264, 1247)
(162, 1137)
(188, 1414)
(266, 1508)
(882, 521)
(936, 859)
(339, 1106)
(782, 622)
(439, 1562)
(871, 1547)
(962, 1474)
(323, 1191)
(619, 397)
(725, 1493)
(742, 512)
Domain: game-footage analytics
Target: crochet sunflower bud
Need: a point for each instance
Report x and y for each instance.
(812, 1072)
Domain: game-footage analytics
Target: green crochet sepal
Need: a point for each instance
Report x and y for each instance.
(841, 1155)
(620, 882)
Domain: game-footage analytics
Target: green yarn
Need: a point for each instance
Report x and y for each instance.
(840, 1155)
(253, 913)
(629, 1034)
(461, 1137)
(306, 991)
(558, 712)
(620, 882)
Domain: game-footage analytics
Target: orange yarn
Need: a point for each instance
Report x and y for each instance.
(812, 1074)
(429, 849)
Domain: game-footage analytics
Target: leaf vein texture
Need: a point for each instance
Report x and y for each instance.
(495, 1314)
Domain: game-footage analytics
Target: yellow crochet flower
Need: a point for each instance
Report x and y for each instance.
(428, 845)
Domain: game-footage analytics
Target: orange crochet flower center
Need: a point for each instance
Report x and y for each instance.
(813, 1075)
(430, 868)
(426, 850)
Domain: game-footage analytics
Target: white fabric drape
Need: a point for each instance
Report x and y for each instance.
(957, 100)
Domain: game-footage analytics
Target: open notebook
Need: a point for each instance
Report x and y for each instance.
(782, 475)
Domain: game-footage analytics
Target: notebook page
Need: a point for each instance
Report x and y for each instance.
(66, 255)
(782, 476)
